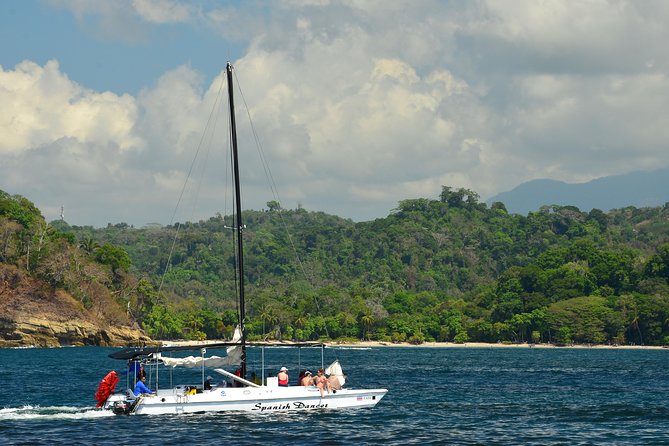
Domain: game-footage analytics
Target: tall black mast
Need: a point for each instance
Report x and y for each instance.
(238, 210)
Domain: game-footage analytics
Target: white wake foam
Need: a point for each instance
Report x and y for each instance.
(52, 413)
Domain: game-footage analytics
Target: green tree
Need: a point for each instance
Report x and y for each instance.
(116, 257)
(163, 323)
(587, 318)
(273, 206)
(367, 321)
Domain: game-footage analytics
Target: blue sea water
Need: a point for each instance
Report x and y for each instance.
(460, 396)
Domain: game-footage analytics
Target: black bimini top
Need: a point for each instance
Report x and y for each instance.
(131, 353)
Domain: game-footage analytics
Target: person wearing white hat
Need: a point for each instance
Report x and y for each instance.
(307, 380)
(207, 383)
(283, 377)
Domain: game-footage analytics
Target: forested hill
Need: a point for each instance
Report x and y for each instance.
(55, 292)
(451, 269)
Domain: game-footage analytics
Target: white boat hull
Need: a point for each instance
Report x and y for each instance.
(250, 399)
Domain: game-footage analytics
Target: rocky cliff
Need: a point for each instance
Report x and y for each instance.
(34, 314)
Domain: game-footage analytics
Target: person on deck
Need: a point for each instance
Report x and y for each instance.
(283, 377)
(322, 382)
(135, 369)
(207, 383)
(307, 380)
(140, 387)
(236, 383)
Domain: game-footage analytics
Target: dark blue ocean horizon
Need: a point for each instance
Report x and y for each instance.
(487, 396)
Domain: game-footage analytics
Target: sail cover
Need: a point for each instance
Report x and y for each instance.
(234, 357)
(334, 369)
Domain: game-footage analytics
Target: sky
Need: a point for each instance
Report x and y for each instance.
(105, 106)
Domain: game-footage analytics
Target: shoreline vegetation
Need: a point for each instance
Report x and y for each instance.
(371, 344)
(448, 270)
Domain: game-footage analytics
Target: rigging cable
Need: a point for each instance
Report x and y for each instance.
(275, 193)
(188, 176)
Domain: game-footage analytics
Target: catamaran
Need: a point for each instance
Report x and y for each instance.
(239, 393)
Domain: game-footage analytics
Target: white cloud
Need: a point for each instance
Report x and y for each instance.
(41, 106)
(162, 11)
(374, 126)
(357, 104)
(153, 11)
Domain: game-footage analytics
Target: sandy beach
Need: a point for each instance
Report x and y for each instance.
(486, 345)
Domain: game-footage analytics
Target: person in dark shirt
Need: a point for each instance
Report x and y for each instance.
(135, 369)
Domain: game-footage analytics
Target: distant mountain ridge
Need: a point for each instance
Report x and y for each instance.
(638, 189)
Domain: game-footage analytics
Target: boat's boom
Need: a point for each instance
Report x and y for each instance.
(235, 377)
